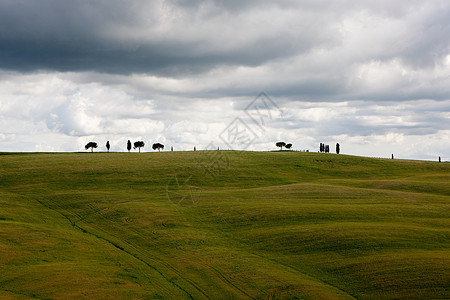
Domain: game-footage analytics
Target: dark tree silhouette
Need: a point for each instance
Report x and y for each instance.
(108, 146)
(195, 149)
(322, 147)
(139, 145)
(392, 156)
(288, 146)
(280, 144)
(129, 145)
(338, 148)
(158, 146)
(439, 159)
(327, 148)
(91, 145)
(171, 148)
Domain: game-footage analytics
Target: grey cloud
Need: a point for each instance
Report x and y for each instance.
(79, 36)
(433, 39)
(367, 118)
(99, 36)
(181, 39)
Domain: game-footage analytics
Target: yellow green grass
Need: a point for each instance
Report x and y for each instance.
(223, 225)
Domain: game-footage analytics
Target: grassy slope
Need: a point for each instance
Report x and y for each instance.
(259, 225)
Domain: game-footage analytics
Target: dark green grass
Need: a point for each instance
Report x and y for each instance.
(223, 225)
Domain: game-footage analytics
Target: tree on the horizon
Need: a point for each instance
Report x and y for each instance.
(129, 145)
(338, 148)
(158, 146)
(327, 148)
(139, 145)
(108, 145)
(288, 146)
(322, 147)
(91, 145)
(280, 144)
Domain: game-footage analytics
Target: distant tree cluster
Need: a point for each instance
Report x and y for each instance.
(326, 148)
(283, 144)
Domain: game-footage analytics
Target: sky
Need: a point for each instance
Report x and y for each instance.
(373, 76)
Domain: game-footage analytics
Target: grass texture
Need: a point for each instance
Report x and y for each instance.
(223, 225)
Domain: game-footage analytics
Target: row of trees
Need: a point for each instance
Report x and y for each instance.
(136, 145)
(158, 146)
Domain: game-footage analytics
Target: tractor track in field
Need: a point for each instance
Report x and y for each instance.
(161, 262)
(304, 274)
(23, 295)
(175, 270)
(227, 281)
(115, 245)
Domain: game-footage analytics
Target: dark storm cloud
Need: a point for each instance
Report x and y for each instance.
(79, 35)
(306, 49)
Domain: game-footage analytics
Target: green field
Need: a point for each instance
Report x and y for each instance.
(223, 225)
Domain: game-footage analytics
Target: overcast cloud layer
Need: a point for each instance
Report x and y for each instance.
(371, 75)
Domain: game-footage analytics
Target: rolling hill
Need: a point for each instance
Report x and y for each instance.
(223, 225)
